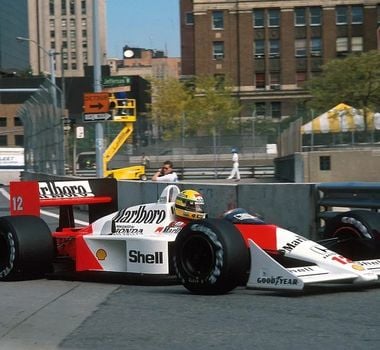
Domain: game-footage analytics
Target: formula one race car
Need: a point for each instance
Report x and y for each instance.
(209, 256)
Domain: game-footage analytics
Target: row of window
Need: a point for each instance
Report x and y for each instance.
(73, 34)
(16, 121)
(302, 16)
(19, 140)
(266, 109)
(302, 47)
(72, 23)
(67, 7)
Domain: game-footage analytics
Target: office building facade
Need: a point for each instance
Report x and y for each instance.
(65, 26)
(271, 48)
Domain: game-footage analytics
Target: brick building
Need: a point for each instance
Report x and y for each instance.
(270, 48)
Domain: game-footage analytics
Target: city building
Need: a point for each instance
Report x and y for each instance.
(65, 26)
(14, 57)
(271, 48)
(145, 63)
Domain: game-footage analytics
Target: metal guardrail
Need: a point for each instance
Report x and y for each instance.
(341, 196)
(257, 171)
(219, 172)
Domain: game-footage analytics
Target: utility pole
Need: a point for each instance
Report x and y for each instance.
(99, 130)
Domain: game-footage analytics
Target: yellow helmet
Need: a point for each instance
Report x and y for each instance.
(189, 204)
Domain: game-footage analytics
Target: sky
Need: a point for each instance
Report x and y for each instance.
(147, 24)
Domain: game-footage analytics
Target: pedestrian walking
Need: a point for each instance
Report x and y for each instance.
(235, 165)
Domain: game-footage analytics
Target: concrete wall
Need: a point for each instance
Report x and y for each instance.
(288, 205)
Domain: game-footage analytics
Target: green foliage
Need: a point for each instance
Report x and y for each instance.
(354, 80)
(188, 108)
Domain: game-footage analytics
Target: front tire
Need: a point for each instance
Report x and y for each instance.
(358, 234)
(26, 247)
(210, 257)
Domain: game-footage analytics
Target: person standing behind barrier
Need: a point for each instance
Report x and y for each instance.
(235, 165)
(166, 173)
(145, 160)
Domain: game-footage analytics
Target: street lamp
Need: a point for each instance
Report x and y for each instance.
(51, 53)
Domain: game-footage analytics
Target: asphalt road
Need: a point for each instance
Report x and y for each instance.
(114, 312)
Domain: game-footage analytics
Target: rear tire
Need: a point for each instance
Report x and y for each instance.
(26, 247)
(211, 257)
(358, 233)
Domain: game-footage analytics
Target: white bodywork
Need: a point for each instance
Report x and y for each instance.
(325, 266)
(136, 239)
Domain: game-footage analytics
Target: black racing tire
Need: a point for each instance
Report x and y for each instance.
(358, 233)
(26, 247)
(210, 257)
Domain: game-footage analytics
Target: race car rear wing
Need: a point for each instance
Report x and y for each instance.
(28, 197)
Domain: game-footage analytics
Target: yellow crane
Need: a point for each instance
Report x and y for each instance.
(123, 111)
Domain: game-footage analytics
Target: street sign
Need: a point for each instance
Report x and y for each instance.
(115, 81)
(96, 117)
(96, 102)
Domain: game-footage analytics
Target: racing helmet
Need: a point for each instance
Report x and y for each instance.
(189, 204)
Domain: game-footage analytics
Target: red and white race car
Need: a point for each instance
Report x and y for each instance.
(209, 256)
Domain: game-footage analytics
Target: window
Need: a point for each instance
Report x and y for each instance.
(52, 44)
(51, 7)
(63, 8)
(83, 7)
(316, 47)
(3, 121)
(275, 110)
(341, 15)
(72, 34)
(259, 48)
(299, 16)
(356, 14)
(300, 47)
(217, 20)
(73, 55)
(84, 22)
(73, 66)
(72, 22)
(19, 140)
(64, 44)
(258, 18)
(260, 109)
(324, 163)
(301, 78)
(218, 50)
(73, 44)
(274, 18)
(72, 7)
(357, 44)
(275, 81)
(260, 80)
(84, 44)
(189, 18)
(315, 16)
(274, 48)
(341, 45)
(52, 34)
(64, 23)
(84, 33)
(64, 33)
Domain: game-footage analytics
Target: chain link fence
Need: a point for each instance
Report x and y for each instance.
(43, 117)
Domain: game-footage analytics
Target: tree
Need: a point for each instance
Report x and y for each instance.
(170, 98)
(212, 108)
(354, 80)
(198, 107)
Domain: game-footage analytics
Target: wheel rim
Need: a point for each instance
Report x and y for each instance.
(197, 257)
(4, 252)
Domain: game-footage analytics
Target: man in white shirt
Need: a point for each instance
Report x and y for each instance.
(235, 165)
(166, 173)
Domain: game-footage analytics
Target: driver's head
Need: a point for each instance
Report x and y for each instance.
(189, 204)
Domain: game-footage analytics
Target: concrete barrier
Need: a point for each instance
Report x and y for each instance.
(291, 206)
